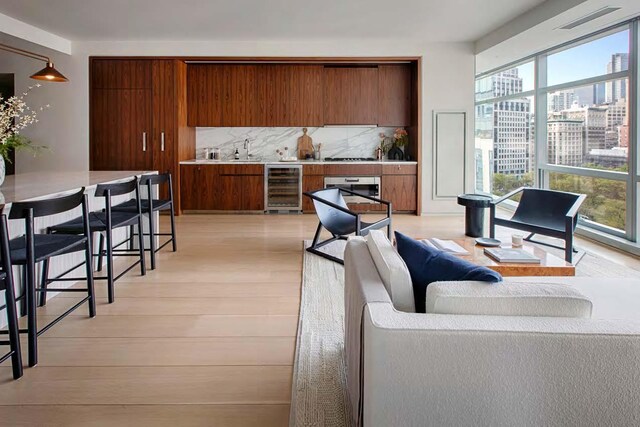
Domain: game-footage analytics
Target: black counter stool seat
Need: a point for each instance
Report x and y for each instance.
(46, 246)
(32, 248)
(6, 285)
(149, 206)
(104, 222)
(474, 204)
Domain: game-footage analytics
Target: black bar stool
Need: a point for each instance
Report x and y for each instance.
(151, 205)
(104, 222)
(32, 248)
(6, 284)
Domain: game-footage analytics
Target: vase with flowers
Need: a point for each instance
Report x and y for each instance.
(16, 115)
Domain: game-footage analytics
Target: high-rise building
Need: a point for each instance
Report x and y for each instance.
(616, 89)
(564, 142)
(561, 100)
(594, 120)
(506, 123)
(616, 118)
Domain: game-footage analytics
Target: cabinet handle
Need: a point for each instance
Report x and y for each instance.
(162, 141)
(144, 141)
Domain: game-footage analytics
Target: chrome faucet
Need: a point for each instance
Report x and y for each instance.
(247, 146)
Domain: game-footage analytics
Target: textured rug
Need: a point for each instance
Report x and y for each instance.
(319, 377)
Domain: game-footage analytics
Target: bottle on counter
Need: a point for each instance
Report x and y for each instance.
(216, 154)
(237, 154)
(206, 153)
(379, 153)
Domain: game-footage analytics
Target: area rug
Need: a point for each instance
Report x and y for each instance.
(319, 378)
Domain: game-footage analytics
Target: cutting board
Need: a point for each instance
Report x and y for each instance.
(305, 145)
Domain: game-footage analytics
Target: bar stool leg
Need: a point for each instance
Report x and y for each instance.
(143, 264)
(110, 283)
(101, 251)
(32, 321)
(152, 240)
(14, 335)
(131, 236)
(44, 283)
(173, 230)
(88, 256)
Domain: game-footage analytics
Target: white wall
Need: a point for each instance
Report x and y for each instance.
(447, 84)
(64, 126)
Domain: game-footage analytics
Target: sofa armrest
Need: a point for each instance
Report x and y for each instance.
(422, 369)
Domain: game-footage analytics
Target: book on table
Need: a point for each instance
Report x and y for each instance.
(512, 255)
(448, 246)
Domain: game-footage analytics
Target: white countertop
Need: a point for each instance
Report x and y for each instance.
(27, 186)
(299, 162)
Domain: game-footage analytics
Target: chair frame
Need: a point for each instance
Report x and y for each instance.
(15, 352)
(570, 220)
(359, 230)
(107, 191)
(28, 211)
(149, 181)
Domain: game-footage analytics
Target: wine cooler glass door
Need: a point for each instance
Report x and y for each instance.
(284, 187)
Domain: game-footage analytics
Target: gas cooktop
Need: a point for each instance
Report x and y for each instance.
(349, 159)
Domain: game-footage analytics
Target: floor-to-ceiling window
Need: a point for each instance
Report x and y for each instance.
(565, 119)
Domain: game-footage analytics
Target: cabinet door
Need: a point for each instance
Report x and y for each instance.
(310, 183)
(120, 73)
(252, 193)
(229, 192)
(394, 95)
(401, 190)
(121, 129)
(305, 100)
(239, 106)
(205, 92)
(191, 184)
(350, 95)
(164, 136)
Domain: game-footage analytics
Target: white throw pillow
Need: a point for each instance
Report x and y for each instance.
(507, 299)
(392, 270)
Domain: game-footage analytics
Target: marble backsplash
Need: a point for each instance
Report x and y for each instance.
(336, 141)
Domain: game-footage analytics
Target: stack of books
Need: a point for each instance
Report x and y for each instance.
(512, 255)
(448, 246)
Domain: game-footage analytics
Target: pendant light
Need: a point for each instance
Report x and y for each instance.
(48, 73)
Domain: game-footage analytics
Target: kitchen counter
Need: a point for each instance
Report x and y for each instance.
(27, 186)
(298, 162)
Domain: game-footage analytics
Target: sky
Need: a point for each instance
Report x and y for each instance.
(583, 61)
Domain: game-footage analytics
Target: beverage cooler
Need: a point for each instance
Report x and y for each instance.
(283, 188)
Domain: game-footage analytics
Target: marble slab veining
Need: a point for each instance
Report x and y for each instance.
(336, 141)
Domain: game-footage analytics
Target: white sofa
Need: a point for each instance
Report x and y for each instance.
(409, 369)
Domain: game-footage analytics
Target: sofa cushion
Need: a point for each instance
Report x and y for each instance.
(392, 270)
(508, 299)
(427, 265)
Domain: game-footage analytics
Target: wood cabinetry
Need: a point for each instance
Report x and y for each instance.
(394, 95)
(138, 117)
(222, 187)
(255, 95)
(350, 95)
(401, 190)
(312, 179)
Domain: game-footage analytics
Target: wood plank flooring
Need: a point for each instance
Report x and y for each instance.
(207, 339)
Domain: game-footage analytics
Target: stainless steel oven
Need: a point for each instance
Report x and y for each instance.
(368, 185)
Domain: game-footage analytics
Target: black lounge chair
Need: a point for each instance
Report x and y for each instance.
(547, 212)
(335, 216)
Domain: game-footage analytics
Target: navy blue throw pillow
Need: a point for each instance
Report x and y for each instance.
(427, 265)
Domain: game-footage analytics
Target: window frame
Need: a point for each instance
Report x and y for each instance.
(539, 94)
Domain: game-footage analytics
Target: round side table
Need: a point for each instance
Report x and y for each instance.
(474, 204)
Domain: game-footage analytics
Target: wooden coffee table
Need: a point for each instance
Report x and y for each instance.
(550, 265)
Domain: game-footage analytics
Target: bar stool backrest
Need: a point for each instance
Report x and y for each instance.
(39, 208)
(119, 189)
(157, 179)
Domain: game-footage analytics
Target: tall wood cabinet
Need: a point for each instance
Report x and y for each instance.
(139, 116)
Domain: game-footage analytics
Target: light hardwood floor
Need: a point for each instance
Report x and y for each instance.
(207, 339)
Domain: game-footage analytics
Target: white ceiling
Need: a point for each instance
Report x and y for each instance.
(422, 20)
